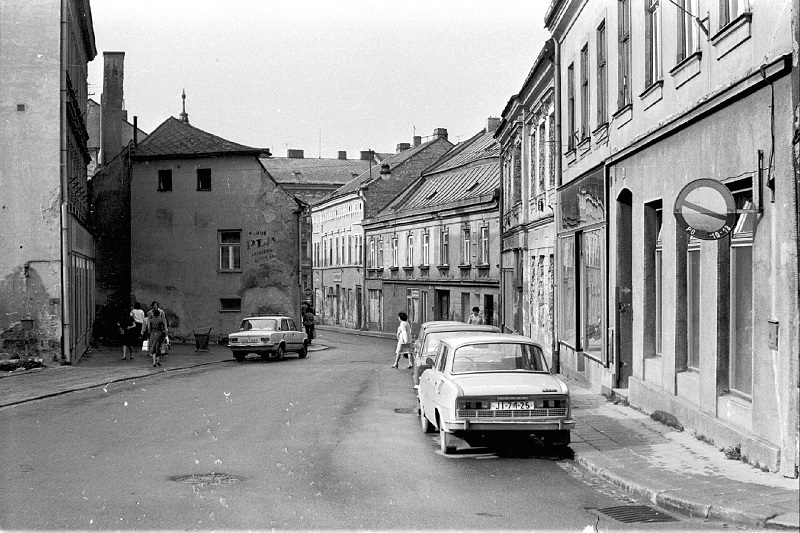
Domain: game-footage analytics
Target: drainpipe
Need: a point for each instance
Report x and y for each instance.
(364, 291)
(556, 256)
(66, 340)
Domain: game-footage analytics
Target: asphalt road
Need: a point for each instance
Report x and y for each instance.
(328, 442)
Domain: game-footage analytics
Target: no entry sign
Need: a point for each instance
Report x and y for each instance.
(705, 209)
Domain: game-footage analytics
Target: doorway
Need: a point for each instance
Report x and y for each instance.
(488, 309)
(442, 310)
(359, 297)
(624, 289)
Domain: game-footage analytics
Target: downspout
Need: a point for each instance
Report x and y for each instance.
(556, 257)
(66, 338)
(501, 300)
(364, 291)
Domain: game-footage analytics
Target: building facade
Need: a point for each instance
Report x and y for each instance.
(340, 295)
(705, 330)
(527, 136)
(213, 237)
(433, 251)
(48, 260)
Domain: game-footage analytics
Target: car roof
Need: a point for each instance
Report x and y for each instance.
(460, 326)
(457, 342)
(432, 323)
(276, 317)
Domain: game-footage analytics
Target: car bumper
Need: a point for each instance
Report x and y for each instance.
(508, 425)
(247, 348)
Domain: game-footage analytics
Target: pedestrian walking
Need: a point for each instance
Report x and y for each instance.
(308, 323)
(475, 317)
(403, 340)
(138, 317)
(157, 331)
(130, 335)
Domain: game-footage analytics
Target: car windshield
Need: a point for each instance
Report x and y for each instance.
(498, 356)
(258, 323)
(433, 339)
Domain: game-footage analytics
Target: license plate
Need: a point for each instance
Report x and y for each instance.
(511, 406)
(253, 340)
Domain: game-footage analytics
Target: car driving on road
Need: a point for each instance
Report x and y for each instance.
(493, 388)
(268, 336)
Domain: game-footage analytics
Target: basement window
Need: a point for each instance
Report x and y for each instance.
(165, 180)
(230, 304)
(203, 179)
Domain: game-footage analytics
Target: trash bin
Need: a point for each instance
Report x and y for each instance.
(201, 340)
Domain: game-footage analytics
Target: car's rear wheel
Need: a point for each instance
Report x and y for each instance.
(427, 427)
(446, 443)
(303, 352)
(239, 357)
(279, 353)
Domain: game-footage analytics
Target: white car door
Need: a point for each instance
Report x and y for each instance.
(297, 336)
(430, 381)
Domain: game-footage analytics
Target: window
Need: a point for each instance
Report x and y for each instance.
(730, 9)
(571, 107)
(659, 282)
(426, 247)
(591, 282)
(693, 304)
(687, 29)
(338, 258)
(230, 249)
(165, 180)
(624, 50)
(652, 36)
(341, 262)
(740, 378)
(602, 75)
(568, 294)
(410, 249)
(203, 179)
(466, 245)
(652, 303)
(585, 92)
(359, 259)
(394, 251)
(380, 252)
(542, 157)
(485, 245)
(230, 304)
(373, 259)
(444, 250)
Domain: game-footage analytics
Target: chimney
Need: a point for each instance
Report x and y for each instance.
(491, 124)
(342, 154)
(402, 146)
(386, 170)
(440, 133)
(417, 140)
(111, 102)
(135, 131)
(366, 155)
(291, 153)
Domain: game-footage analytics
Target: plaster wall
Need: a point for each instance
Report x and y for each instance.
(175, 250)
(30, 168)
(724, 147)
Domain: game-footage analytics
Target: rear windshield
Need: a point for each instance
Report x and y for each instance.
(498, 356)
(258, 323)
(432, 340)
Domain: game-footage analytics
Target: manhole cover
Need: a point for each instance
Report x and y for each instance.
(630, 514)
(404, 411)
(207, 479)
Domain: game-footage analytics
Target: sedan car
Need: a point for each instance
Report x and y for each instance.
(268, 336)
(493, 388)
(431, 333)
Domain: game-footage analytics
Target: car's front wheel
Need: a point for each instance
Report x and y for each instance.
(427, 427)
(303, 352)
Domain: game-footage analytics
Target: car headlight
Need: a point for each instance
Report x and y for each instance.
(264, 339)
(473, 403)
(233, 339)
(554, 403)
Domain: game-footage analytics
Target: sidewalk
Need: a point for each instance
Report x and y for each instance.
(618, 443)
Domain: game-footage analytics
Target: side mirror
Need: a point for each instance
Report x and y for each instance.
(429, 361)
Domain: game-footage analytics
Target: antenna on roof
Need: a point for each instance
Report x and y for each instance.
(184, 115)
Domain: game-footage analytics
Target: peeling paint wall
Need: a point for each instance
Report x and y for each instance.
(176, 250)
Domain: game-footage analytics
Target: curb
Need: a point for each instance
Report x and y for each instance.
(672, 501)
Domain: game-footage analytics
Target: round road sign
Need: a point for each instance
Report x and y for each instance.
(705, 209)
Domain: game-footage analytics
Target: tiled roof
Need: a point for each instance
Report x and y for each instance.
(177, 139)
(393, 160)
(470, 170)
(320, 171)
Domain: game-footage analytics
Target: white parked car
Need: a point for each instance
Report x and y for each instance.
(268, 336)
(493, 388)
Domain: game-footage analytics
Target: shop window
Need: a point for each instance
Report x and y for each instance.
(693, 304)
(568, 295)
(652, 262)
(740, 378)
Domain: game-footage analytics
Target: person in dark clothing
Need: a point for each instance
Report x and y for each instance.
(130, 335)
(308, 323)
(157, 331)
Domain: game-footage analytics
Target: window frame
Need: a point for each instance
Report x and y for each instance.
(444, 246)
(410, 249)
(203, 174)
(602, 75)
(466, 245)
(571, 126)
(624, 85)
(234, 251)
(164, 178)
(426, 248)
(584, 93)
(485, 244)
(652, 35)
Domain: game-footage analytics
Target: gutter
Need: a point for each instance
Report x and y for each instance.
(554, 349)
(66, 340)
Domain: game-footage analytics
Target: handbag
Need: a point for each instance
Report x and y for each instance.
(145, 345)
(406, 347)
(165, 346)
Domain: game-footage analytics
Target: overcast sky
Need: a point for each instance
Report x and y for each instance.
(321, 76)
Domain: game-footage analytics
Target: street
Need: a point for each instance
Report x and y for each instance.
(328, 442)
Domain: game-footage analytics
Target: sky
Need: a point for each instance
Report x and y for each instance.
(320, 76)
